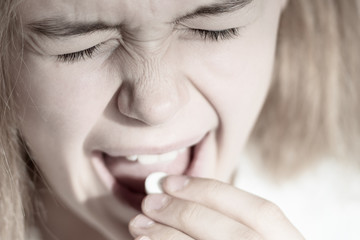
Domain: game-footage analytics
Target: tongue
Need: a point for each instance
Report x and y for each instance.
(133, 174)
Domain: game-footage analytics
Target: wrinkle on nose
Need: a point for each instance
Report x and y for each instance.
(151, 94)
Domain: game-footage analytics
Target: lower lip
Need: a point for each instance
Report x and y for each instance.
(134, 191)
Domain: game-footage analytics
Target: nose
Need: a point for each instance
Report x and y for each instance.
(151, 93)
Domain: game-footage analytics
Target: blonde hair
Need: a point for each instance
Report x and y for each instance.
(312, 109)
(310, 112)
(14, 184)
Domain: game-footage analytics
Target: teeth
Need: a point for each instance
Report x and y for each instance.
(132, 158)
(168, 156)
(182, 150)
(153, 159)
(148, 159)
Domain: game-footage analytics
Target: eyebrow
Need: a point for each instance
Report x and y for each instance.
(58, 27)
(226, 6)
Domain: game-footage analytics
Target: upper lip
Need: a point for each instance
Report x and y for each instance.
(152, 150)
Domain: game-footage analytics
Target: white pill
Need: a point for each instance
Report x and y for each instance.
(153, 183)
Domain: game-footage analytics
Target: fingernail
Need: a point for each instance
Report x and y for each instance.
(176, 183)
(141, 221)
(156, 201)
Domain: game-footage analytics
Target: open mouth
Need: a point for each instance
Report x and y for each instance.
(127, 174)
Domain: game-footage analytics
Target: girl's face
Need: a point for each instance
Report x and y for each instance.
(175, 84)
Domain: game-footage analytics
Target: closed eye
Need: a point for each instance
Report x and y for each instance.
(210, 35)
(78, 56)
(217, 35)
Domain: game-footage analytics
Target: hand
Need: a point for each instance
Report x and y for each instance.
(194, 208)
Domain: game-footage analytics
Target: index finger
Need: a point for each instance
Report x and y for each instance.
(256, 212)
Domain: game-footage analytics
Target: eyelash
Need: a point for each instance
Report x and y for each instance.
(215, 36)
(77, 56)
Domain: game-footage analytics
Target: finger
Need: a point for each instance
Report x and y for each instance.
(143, 228)
(255, 212)
(196, 220)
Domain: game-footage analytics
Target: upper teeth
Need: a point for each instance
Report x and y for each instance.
(156, 158)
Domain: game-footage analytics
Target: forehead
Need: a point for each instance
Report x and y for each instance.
(110, 11)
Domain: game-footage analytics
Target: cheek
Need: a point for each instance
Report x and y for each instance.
(58, 109)
(234, 77)
(58, 101)
(236, 80)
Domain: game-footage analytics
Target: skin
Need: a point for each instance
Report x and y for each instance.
(158, 87)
